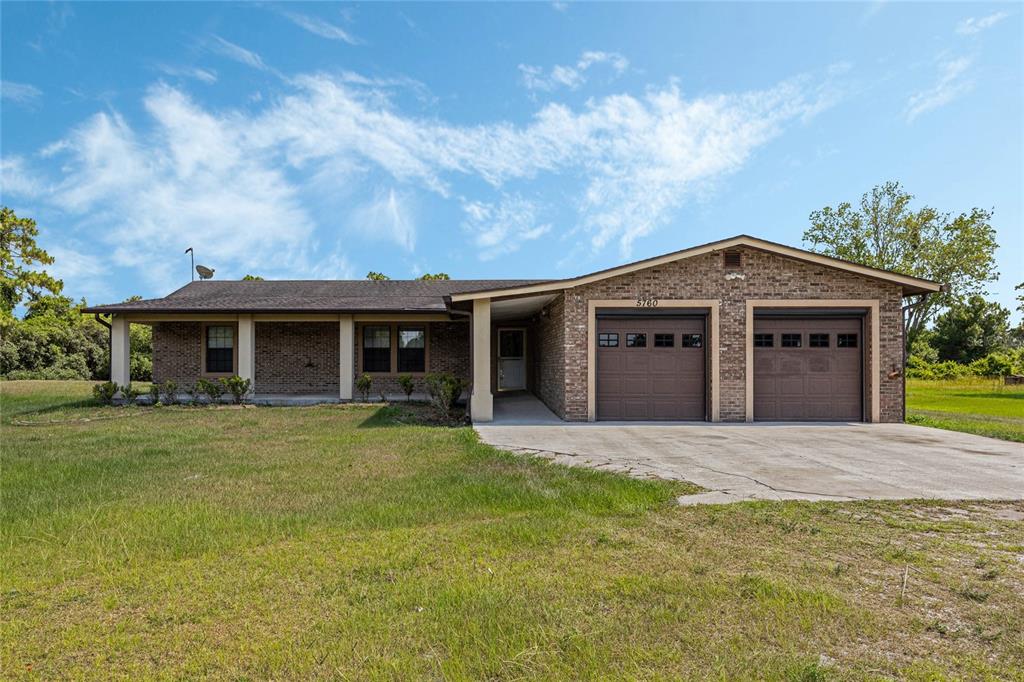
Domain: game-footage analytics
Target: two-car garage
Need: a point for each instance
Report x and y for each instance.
(806, 367)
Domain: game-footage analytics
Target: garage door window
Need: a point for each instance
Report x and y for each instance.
(792, 340)
(764, 340)
(664, 340)
(636, 340)
(691, 340)
(846, 340)
(818, 341)
(608, 340)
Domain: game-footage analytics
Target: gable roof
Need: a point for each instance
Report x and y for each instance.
(309, 296)
(911, 285)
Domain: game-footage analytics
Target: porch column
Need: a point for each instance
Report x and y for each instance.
(346, 357)
(120, 351)
(481, 401)
(247, 350)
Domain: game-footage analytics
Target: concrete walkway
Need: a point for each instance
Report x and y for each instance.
(738, 462)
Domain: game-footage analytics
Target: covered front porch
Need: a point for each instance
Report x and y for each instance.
(292, 359)
(517, 357)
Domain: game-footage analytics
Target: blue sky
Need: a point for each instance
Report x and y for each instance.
(488, 140)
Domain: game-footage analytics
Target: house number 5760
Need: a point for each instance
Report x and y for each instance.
(646, 303)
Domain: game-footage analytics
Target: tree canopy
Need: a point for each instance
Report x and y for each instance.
(376, 276)
(252, 278)
(19, 258)
(971, 330)
(440, 275)
(885, 232)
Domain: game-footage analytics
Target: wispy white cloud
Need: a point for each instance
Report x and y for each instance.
(236, 52)
(20, 93)
(320, 27)
(192, 180)
(208, 76)
(18, 180)
(572, 77)
(387, 216)
(975, 25)
(560, 6)
(247, 186)
(952, 83)
(502, 228)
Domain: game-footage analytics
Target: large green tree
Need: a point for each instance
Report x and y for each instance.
(885, 232)
(971, 330)
(436, 276)
(20, 258)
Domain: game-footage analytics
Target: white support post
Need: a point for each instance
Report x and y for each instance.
(120, 351)
(481, 401)
(247, 350)
(346, 357)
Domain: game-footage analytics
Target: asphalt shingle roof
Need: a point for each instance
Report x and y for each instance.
(321, 296)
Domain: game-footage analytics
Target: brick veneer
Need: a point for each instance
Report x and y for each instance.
(297, 357)
(549, 357)
(177, 352)
(447, 351)
(765, 276)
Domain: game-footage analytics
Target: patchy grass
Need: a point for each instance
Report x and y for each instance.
(985, 407)
(335, 542)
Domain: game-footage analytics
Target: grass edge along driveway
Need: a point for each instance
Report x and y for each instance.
(344, 542)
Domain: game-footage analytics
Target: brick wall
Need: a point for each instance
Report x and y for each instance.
(766, 276)
(447, 351)
(177, 352)
(297, 357)
(549, 357)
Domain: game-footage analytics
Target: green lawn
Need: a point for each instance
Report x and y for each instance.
(986, 407)
(343, 542)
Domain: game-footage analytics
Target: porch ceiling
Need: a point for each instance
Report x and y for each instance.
(518, 308)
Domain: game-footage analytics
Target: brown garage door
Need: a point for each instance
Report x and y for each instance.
(808, 369)
(650, 368)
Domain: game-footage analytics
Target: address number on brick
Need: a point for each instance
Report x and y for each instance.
(646, 303)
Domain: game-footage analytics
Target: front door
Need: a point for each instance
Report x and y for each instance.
(511, 359)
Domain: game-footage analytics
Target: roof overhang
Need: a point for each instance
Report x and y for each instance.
(911, 285)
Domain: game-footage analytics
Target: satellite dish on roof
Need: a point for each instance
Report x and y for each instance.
(204, 272)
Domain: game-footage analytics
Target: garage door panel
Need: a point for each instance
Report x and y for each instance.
(633, 385)
(808, 383)
(637, 360)
(664, 361)
(612, 361)
(650, 382)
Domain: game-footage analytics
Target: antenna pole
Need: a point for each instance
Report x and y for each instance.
(193, 256)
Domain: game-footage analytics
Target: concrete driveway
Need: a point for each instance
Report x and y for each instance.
(784, 461)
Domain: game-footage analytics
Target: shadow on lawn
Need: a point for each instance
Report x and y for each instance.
(30, 410)
(412, 414)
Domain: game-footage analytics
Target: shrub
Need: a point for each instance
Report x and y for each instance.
(193, 394)
(213, 390)
(407, 384)
(154, 393)
(169, 392)
(237, 387)
(444, 391)
(363, 384)
(105, 392)
(129, 394)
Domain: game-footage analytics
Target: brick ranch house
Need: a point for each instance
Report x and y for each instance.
(736, 330)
